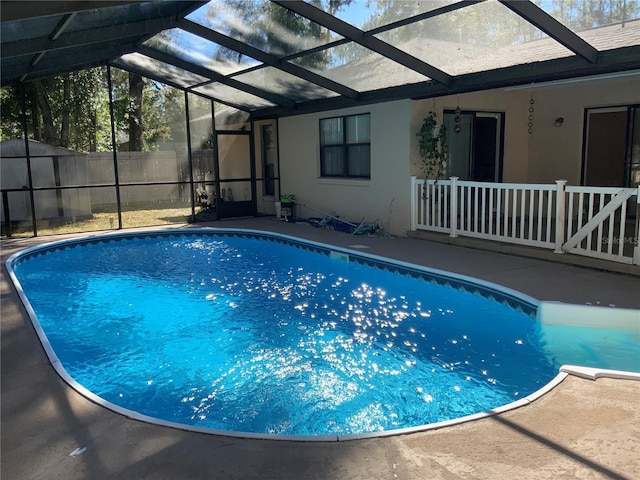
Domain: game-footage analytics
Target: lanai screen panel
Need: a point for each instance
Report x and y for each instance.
(264, 25)
(361, 69)
(374, 15)
(269, 28)
(21, 30)
(119, 15)
(201, 52)
(283, 83)
(475, 38)
(154, 69)
(232, 96)
(587, 19)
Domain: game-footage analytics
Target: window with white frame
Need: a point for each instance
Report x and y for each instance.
(345, 146)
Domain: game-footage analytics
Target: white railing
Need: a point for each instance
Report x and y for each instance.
(600, 222)
(597, 223)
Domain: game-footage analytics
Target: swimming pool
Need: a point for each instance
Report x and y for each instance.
(352, 344)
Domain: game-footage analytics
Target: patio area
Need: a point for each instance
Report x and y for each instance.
(581, 429)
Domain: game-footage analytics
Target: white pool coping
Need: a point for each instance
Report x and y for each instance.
(551, 313)
(591, 316)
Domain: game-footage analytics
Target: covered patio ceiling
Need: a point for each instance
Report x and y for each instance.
(285, 57)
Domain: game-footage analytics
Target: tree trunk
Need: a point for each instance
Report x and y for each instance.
(136, 140)
(49, 130)
(35, 114)
(93, 137)
(66, 106)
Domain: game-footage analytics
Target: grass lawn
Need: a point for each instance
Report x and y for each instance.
(109, 221)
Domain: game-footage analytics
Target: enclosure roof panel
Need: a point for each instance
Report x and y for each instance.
(200, 51)
(156, 69)
(263, 24)
(279, 58)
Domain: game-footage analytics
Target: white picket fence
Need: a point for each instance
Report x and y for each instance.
(599, 222)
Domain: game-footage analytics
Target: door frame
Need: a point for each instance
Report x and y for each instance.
(628, 146)
(499, 140)
(235, 208)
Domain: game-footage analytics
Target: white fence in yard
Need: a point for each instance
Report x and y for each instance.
(599, 222)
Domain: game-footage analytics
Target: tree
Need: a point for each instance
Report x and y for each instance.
(583, 14)
(11, 124)
(70, 110)
(488, 24)
(277, 30)
(43, 104)
(65, 110)
(136, 139)
(147, 113)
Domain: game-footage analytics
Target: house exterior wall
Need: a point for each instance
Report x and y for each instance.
(384, 197)
(549, 153)
(514, 104)
(556, 152)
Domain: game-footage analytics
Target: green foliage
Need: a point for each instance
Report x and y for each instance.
(582, 14)
(491, 24)
(433, 147)
(11, 123)
(69, 110)
(72, 111)
(163, 115)
(88, 108)
(275, 29)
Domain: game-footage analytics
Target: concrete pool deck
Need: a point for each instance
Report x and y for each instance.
(581, 429)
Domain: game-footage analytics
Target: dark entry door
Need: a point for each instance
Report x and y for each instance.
(485, 151)
(236, 175)
(606, 134)
(475, 145)
(612, 147)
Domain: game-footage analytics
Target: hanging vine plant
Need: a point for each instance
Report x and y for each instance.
(433, 148)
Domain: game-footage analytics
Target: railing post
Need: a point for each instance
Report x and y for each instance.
(560, 215)
(453, 207)
(636, 246)
(414, 209)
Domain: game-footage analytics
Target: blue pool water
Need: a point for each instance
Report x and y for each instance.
(246, 334)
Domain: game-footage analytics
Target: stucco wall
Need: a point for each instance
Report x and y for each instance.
(514, 104)
(556, 152)
(549, 153)
(383, 198)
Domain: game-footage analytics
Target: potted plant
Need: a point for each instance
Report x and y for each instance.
(433, 148)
